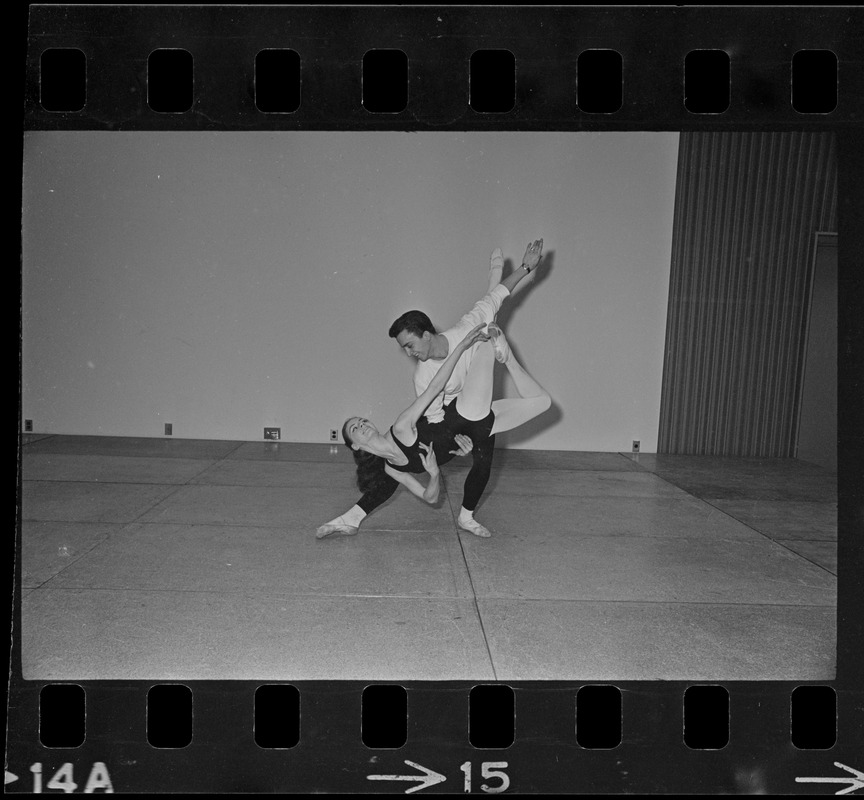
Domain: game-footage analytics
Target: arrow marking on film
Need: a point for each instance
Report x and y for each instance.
(429, 779)
(854, 783)
(11, 777)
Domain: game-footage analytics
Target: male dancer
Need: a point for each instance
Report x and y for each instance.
(417, 337)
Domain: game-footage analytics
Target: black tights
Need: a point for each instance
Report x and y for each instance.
(478, 477)
(484, 448)
(441, 435)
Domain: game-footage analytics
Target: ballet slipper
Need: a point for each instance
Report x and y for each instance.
(472, 526)
(499, 342)
(340, 529)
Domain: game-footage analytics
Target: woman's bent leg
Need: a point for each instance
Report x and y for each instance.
(533, 399)
(512, 412)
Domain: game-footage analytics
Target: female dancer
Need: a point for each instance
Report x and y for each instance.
(402, 451)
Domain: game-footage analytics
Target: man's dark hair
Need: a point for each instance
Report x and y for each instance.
(415, 322)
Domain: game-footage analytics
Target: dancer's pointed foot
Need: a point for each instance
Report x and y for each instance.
(496, 265)
(338, 529)
(499, 342)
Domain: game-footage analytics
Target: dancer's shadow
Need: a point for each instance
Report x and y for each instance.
(554, 414)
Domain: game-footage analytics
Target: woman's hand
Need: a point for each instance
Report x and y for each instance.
(430, 463)
(464, 444)
(474, 336)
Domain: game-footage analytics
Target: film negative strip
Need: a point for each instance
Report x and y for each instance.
(436, 70)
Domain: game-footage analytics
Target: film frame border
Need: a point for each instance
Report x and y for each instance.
(545, 41)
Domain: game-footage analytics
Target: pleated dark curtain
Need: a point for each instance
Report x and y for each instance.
(747, 207)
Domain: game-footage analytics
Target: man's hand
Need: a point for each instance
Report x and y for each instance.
(464, 444)
(530, 262)
(533, 255)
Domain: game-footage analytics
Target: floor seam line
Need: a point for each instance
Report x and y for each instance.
(769, 538)
(473, 591)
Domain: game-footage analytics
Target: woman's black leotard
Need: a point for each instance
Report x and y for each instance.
(441, 436)
(413, 452)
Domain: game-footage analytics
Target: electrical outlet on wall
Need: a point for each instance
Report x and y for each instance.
(635, 445)
(169, 429)
(334, 435)
(273, 433)
(28, 426)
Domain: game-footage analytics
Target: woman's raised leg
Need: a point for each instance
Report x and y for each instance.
(533, 399)
(496, 265)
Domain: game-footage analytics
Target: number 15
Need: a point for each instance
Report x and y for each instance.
(488, 769)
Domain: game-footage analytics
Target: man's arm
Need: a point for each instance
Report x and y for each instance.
(484, 310)
(529, 263)
(482, 313)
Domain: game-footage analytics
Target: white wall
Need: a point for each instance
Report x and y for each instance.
(224, 282)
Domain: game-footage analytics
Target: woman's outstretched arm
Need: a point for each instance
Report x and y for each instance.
(406, 422)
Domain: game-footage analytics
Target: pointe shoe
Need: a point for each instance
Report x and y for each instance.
(329, 529)
(499, 342)
(496, 265)
(472, 526)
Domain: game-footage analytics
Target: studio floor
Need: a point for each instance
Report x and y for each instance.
(178, 559)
